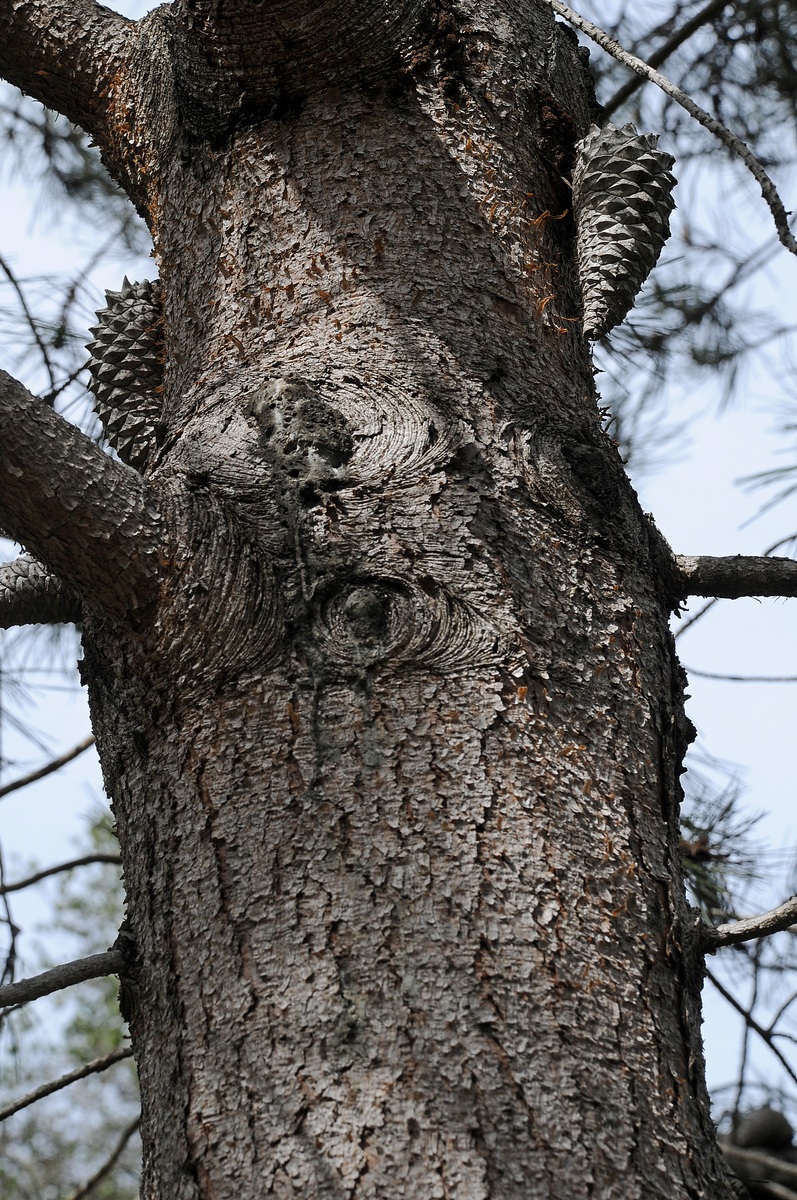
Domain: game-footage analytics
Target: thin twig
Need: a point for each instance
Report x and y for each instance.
(664, 51)
(47, 1089)
(786, 1004)
(690, 620)
(746, 1028)
(777, 1191)
(740, 678)
(764, 1034)
(109, 1163)
(12, 279)
(734, 143)
(41, 772)
(111, 962)
(750, 928)
(86, 861)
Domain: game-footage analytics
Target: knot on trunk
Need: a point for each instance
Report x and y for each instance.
(370, 619)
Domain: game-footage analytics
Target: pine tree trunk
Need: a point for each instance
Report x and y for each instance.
(395, 757)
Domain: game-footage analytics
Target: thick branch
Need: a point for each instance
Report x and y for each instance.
(736, 576)
(90, 519)
(47, 1089)
(66, 53)
(750, 928)
(111, 962)
(32, 595)
(734, 143)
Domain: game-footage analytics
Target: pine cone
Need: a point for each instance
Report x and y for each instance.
(126, 368)
(622, 200)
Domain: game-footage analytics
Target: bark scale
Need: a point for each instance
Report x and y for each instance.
(395, 758)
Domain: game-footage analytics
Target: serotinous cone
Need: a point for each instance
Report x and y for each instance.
(126, 368)
(622, 200)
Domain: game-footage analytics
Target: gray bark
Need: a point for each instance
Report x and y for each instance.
(734, 576)
(65, 53)
(92, 521)
(395, 757)
(64, 976)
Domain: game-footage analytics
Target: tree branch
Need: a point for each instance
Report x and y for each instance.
(706, 14)
(750, 928)
(757, 1165)
(723, 677)
(86, 861)
(766, 1035)
(735, 576)
(734, 143)
(109, 1163)
(90, 519)
(54, 765)
(47, 1089)
(111, 962)
(65, 53)
(32, 595)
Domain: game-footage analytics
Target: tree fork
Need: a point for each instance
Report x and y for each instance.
(91, 520)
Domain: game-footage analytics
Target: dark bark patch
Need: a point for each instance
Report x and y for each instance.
(445, 51)
(557, 133)
(304, 437)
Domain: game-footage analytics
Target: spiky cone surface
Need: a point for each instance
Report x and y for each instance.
(622, 200)
(126, 368)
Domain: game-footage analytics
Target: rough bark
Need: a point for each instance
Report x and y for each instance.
(65, 53)
(91, 520)
(395, 757)
(734, 576)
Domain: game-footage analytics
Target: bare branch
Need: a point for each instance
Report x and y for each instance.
(86, 861)
(750, 928)
(32, 595)
(109, 1163)
(90, 519)
(734, 143)
(724, 678)
(694, 618)
(47, 1089)
(757, 1165)
(65, 53)
(40, 772)
(705, 14)
(735, 576)
(111, 962)
(765, 1034)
